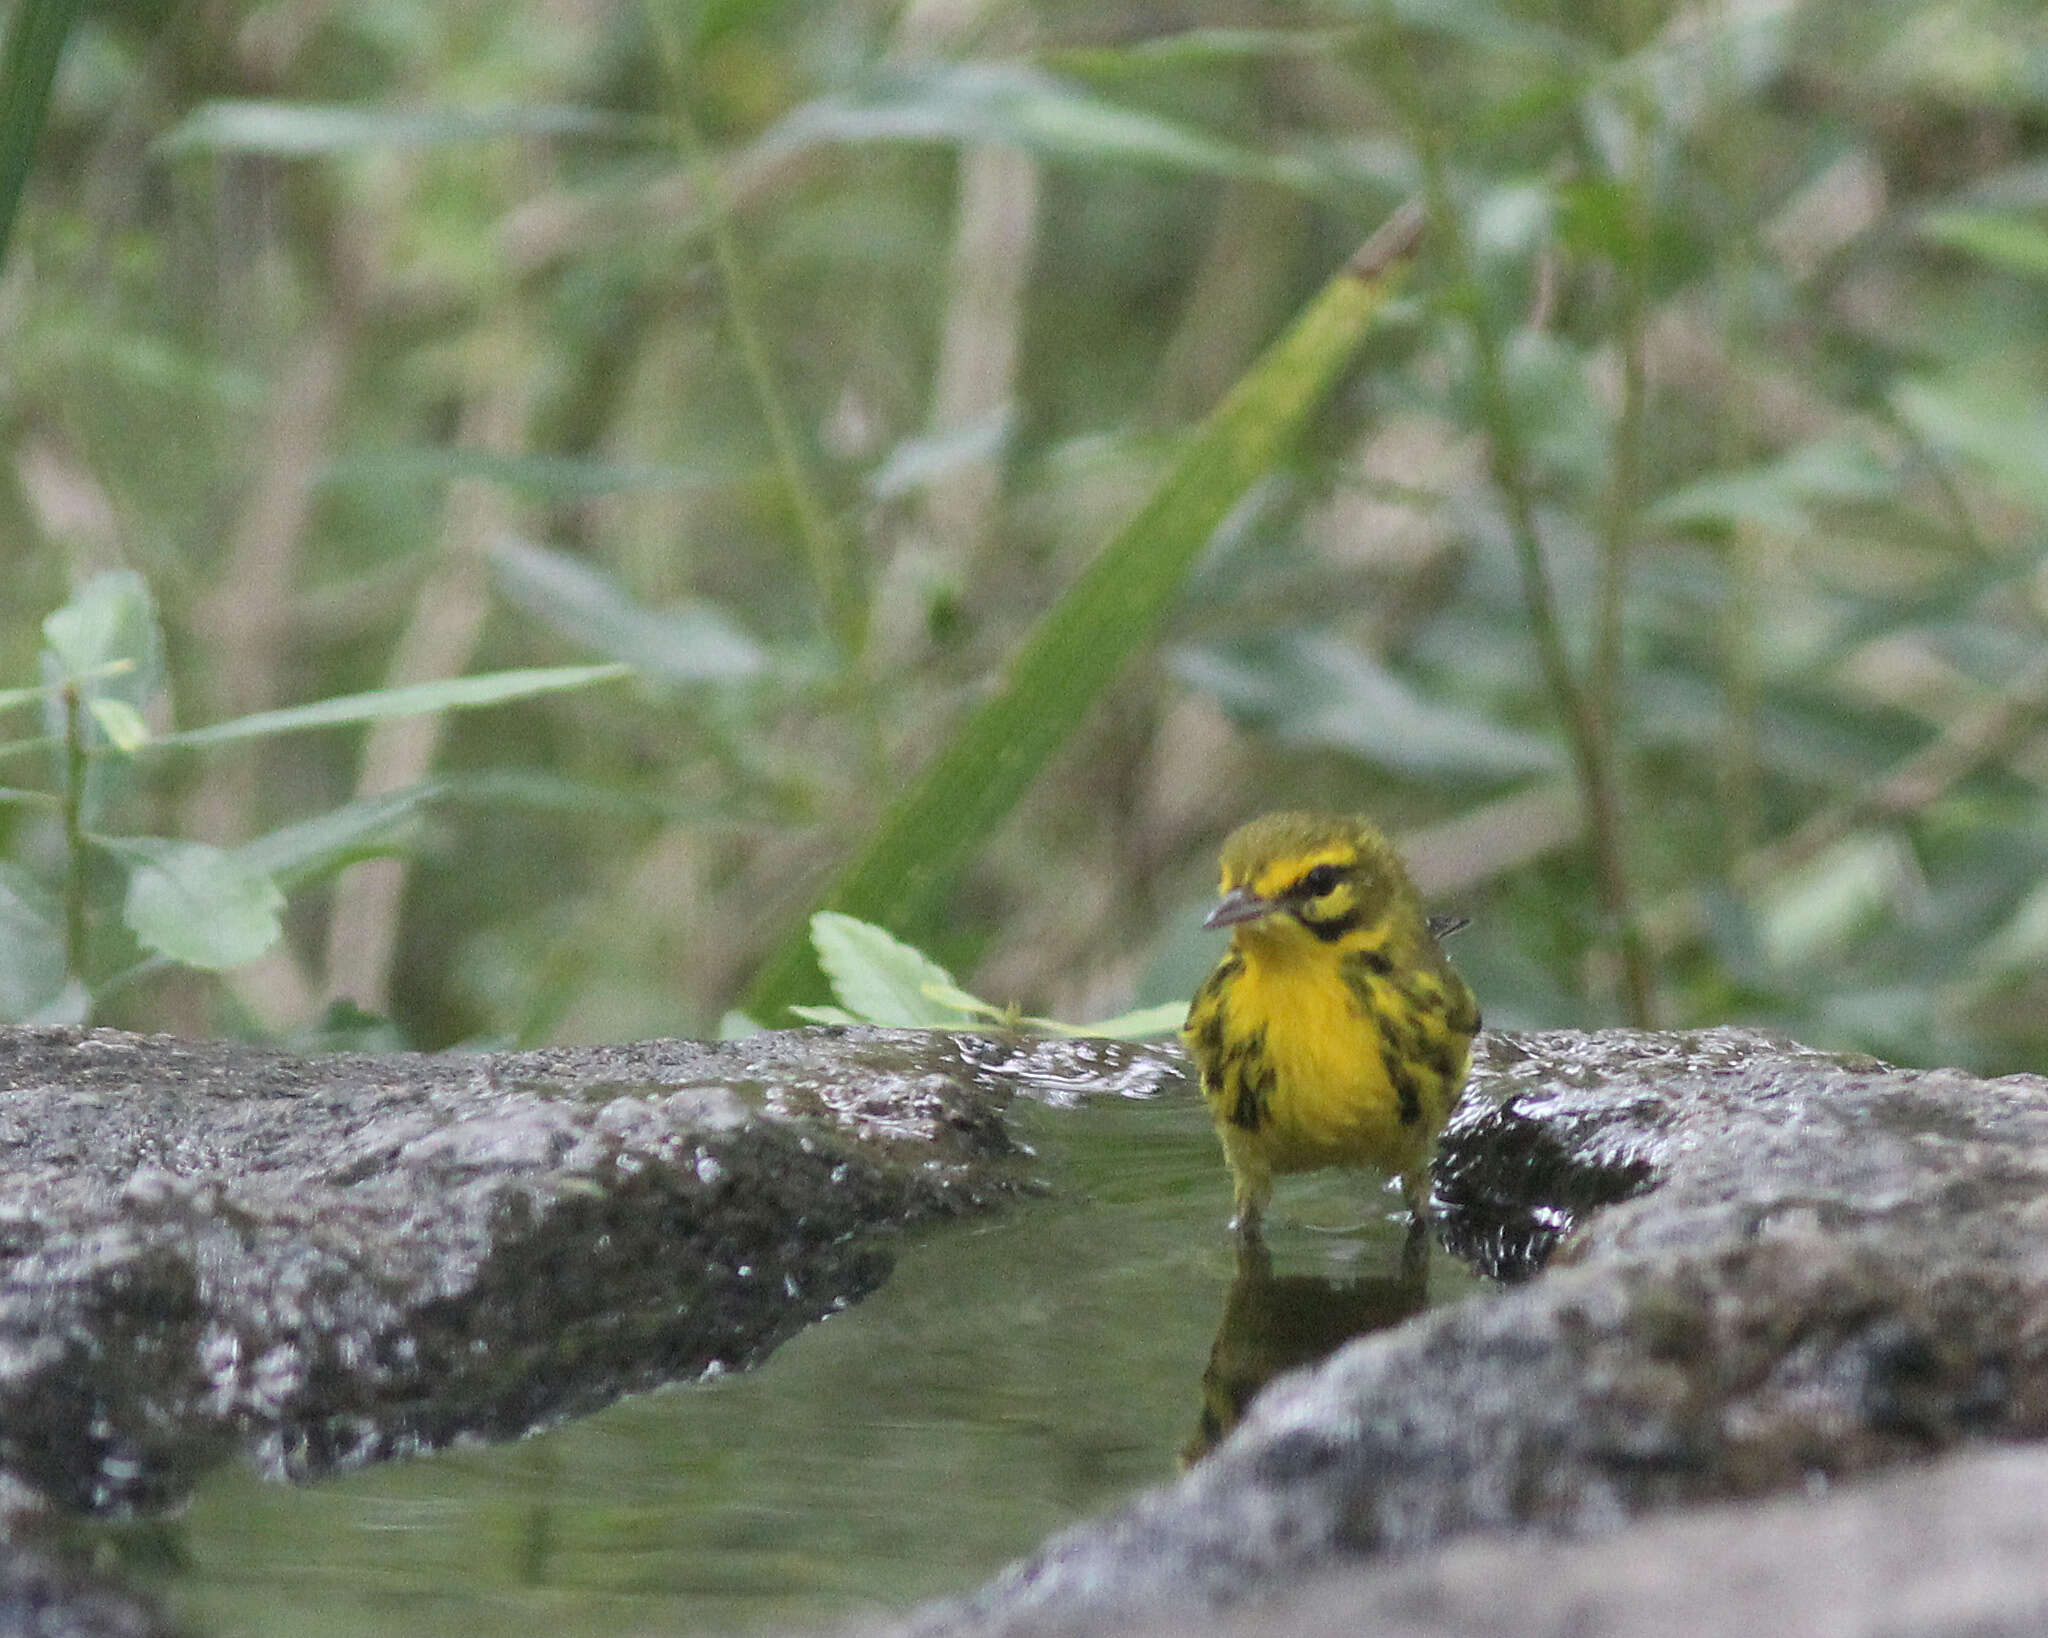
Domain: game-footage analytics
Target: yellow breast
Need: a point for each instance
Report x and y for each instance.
(1327, 1099)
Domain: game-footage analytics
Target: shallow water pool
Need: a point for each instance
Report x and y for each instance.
(1014, 1374)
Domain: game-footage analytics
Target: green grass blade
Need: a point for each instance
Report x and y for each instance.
(297, 130)
(1080, 645)
(28, 63)
(1025, 108)
(453, 694)
(368, 828)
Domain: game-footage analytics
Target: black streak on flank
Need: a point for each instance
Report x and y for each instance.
(1210, 1037)
(1402, 1080)
(1442, 1058)
(1247, 1071)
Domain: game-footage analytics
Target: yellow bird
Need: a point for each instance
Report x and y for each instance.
(1333, 1032)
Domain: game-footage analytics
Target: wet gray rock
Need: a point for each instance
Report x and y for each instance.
(1768, 1269)
(44, 1596)
(1744, 1273)
(1955, 1549)
(319, 1261)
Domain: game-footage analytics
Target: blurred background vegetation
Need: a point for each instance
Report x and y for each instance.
(1669, 569)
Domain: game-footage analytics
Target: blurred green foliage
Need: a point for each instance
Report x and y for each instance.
(1670, 567)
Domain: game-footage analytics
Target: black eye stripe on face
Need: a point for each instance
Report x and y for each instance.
(1319, 881)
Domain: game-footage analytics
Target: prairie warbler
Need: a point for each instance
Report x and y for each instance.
(1333, 1032)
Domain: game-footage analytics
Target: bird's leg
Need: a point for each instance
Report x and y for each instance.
(1415, 1250)
(1251, 1184)
(1421, 1221)
(1250, 1208)
(1415, 1190)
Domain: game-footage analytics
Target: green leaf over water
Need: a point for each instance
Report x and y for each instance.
(878, 978)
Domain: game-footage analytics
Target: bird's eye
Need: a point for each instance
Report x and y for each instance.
(1321, 880)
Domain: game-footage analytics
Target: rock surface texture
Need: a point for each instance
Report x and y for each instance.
(1768, 1270)
(1771, 1347)
(1955, 1549)
(320, 1261)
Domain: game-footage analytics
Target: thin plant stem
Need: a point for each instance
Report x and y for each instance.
(76, 766)
(1623, 501)
(1620, 515)
(825, 544)
(1587, 735)
(1742, 684)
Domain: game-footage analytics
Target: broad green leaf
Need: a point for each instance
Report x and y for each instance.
(453, 694)
(290, 130)
(1024, 108)
(32, 974)
(1310, 689)
(2002, 428)
(691, 644)
(36, 32)
(878, 978)
(1108, 615)
(2010, 242)
(316, 847)
(196, 904)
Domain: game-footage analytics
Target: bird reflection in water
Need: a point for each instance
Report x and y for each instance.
(1277, 1322)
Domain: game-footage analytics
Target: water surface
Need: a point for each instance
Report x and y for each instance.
(1015, 1373)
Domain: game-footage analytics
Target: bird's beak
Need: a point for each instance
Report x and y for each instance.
(1240, 904)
